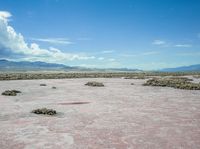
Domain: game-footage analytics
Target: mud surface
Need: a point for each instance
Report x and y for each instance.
(117, 116)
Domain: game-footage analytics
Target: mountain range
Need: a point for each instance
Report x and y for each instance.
(190, 68)
(6, 65)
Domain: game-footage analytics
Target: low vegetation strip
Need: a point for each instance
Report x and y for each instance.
(40, 75)
(137, 77)
(197, 76)
(179, 83)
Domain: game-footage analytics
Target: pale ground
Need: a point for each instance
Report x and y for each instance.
(117, 116)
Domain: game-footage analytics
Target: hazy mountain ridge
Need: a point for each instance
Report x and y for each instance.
(6, 65)
(25, 65)
(183, 68)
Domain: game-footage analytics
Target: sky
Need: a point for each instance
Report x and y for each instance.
(142, 34)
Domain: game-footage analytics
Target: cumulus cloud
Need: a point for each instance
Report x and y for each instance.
(158, 42)
(14, 44)
(5, 14)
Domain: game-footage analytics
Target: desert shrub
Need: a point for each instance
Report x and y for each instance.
(44, 111)
(16, 91)
(10, 92)
(196, 76)
(136, 77)
(132, 84)
(180, 83)
(43, 84)
(181, 78)
(53, 87)
(94, 83)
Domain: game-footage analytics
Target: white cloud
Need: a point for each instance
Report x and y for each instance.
(15, 43)
(141, 54)
(5, 15)
(108, 51)
(150, 53)
(53, 40)
(167, 44)
(101, 58)
(111, 59)
(158, 42)
(183, 45)
(129, 55)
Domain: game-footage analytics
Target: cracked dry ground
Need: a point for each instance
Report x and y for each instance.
(119, 115)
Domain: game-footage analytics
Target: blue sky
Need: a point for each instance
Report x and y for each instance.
(144, 34)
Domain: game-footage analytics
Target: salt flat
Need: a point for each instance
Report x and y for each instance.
(117, 116)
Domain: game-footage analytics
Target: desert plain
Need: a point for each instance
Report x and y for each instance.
(119, 115)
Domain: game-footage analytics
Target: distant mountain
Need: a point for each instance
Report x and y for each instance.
(183, 69)
(6, 65)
